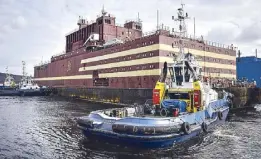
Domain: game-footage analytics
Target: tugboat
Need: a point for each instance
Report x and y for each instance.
(182, 108)
(28, 88)
(9, 87)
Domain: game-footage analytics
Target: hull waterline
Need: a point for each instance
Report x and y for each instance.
(162, 141)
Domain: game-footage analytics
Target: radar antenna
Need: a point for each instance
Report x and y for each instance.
(103, 11)
(182, 16)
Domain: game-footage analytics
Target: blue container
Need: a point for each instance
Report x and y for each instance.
(250, 69)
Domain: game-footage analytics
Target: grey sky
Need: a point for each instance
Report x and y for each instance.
(34, 29)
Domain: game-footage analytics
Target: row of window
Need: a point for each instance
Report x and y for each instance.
(221, 61)
(206, 48)
(219, 70)
(127, 32)
(128, 47)
(138, 79)
(210, 59)
(124, 58)
(138, 27)
(123, 48)
(108, 21)
(128, 68)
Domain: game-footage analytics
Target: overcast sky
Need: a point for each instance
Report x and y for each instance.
(32, 30)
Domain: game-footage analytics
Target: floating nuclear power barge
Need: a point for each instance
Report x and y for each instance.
(121, 64)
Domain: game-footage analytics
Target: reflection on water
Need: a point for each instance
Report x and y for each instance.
(45, 127)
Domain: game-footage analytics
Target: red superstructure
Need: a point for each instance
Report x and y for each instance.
(101, 57)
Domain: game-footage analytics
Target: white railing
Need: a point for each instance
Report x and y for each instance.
(210, 43)
(133, 20)
(42, 63)
(59, 54)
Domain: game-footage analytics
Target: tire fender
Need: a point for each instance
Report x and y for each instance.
(220, 115)
(204, 127)
(186, 128)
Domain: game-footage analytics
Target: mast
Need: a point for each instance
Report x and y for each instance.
(7, 74)
(24, 68)
(157, 20)
(103, 12)
(182, 34)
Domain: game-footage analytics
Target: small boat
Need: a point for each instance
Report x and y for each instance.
(183, 106)
(9, 87)
(28, 88)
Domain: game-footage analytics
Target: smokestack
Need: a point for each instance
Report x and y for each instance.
(256, 53)
(239, 54)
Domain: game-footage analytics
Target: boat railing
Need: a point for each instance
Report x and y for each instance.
(42, 63)
(59, 54)
(206, 42)
(119, 25)
(199, 39)
(163, 27)
(133, 20)
(145, 34)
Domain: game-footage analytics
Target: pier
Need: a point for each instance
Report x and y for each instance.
(243, 96)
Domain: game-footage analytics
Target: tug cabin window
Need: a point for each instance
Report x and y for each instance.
(171, 73)
(179, 75)
(179, 95)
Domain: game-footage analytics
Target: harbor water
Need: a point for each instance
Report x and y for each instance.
(45, 127)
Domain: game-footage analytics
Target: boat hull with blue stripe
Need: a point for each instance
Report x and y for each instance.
(151, 131)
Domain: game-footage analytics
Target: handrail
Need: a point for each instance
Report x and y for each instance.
(42, 63)
(59, 54)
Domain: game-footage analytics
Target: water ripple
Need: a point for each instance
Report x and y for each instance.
(45, 127)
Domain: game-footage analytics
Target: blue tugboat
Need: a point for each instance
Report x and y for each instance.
(28, 88)
(183, 107)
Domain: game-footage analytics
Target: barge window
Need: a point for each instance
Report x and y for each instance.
(101, 82)
(179, 95)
